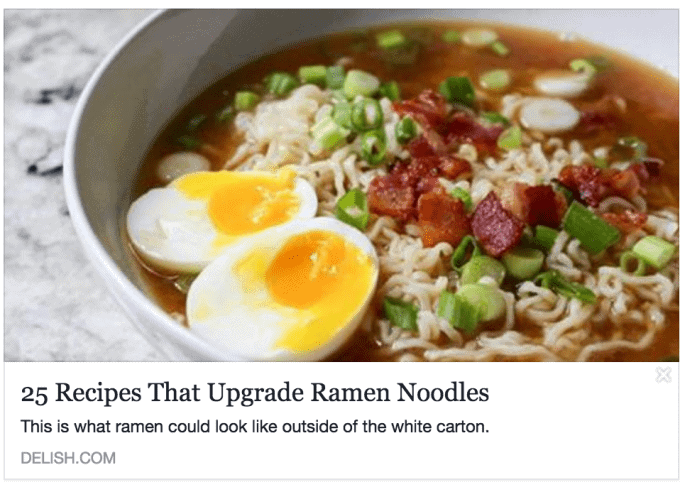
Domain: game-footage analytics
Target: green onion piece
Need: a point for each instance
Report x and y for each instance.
(451, 36)
(487, 299)
(458, 89)
(630, 257)
(464, 196)
(281, 83)
(315, 75)
(479, 37)
(184, 281)
(400, 313)
(373, 146)
(360, 83)
(499, 48)
(467, 248)
(495, 117)
(545, 237)
(457, 311)
(189, 142)
(352, 208)
(245, 100)
(226, 114)
(583, 66)
(482, 266)
(593, 232)
(195, 122)
(405, 130)
(390, 39)
(390, 90)
(367, 115)
(510, 138)
(654, 250)
(335, 77)
(329, 134)
(342, 114)
(556, 282)
(639, 147)
(496, 79)
(523, 263)
(600, 162)
(339, 95)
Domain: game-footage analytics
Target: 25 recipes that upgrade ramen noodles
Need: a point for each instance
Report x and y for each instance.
(421, 192)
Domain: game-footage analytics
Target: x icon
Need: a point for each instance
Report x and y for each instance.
(663, 374)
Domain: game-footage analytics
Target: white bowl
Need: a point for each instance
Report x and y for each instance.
(174, 55)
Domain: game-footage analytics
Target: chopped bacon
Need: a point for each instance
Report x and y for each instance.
(387, 197)
(496, 229)
(421, 147)
(428, 108)
(628, 221)
(603, 114)
(535, 205)
(592, 184)
(462, 128)
(653, 167)
(454, 167)
(441, 218)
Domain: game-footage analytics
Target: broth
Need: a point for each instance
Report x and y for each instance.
(652, 115)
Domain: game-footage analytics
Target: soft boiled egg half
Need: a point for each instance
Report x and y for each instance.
(187, 224)
(293, 292)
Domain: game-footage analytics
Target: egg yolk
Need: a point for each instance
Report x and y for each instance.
(241, 203)
(325, 275)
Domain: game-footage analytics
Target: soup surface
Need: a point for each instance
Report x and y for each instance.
(494, 148)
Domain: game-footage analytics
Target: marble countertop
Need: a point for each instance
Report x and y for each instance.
(56, 306)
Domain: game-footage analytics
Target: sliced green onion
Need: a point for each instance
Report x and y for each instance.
(281, 83)
(245, 100)
(195, 122)
(593, 232)
(499, 48)
(342, 114)
(639, 147)
(352, 208)
(479, 37)
(390, 90)
(496, 79)
(495, 117)
(335, 77)
(184, 281)
(511, 138)
(630, 257)
(451, 36)
(189, 142)
(360, 83)
(367, 115)
(583, 66)
(600, 162)
(400, 313)
(545, 237)
(390, 39)
(467, 248)
(405, 130)
(313, 74)
(487, 299)
(458, 89)
(482, 266)
(328, 133)
(226, 114)
(523, 263)
(457, 311)
(464, 196)
(654, 250)
(403, 55)
(373, 146)
(339, 95)
(558, 283)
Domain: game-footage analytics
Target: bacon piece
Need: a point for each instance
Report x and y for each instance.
(535, 205)
(624, 183)
(653, 167)
(441, 218)
(462, 128)
(428, 109)
(628, 221)
(592, 122)
(496, 229)
(386, 196)
(593, 184)
(453, 167)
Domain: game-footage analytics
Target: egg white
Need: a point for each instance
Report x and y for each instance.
(246, 322)
(174, 232)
